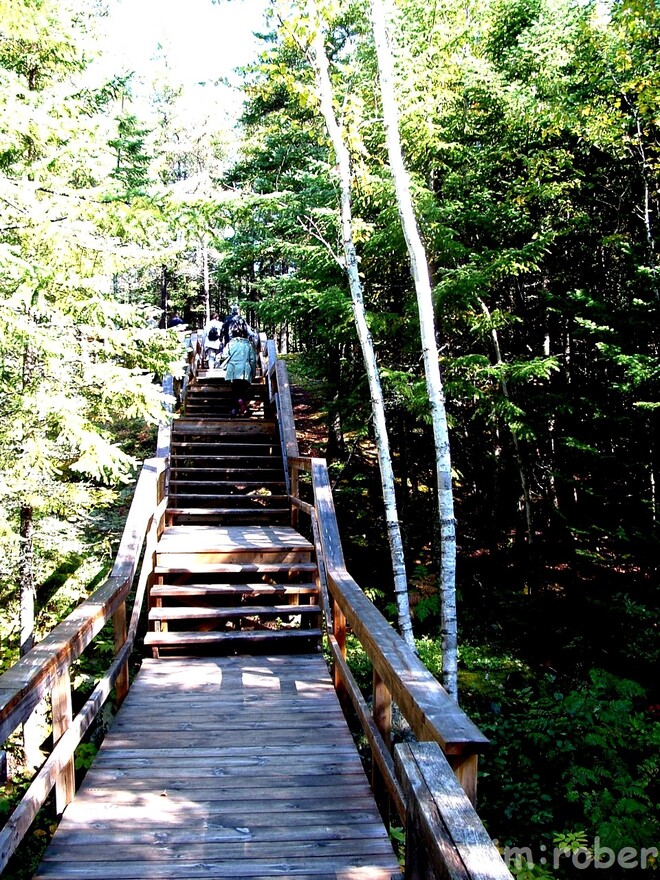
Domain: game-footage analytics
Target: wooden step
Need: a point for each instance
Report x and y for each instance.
(237, 510)
(246, 462)
(217, 383)
(212, 401)
(240, 568)
(162, 591)
(252, 416)
(248, 514)
(198, 639)
(248, 502)
(242, 488)
(192, 612)
(237, 447)
(238, 539)
(241, 474)
(200, 427)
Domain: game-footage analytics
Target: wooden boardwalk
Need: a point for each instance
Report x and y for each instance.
(231, 767)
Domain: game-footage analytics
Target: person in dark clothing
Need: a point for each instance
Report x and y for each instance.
(175, 320)
(235, 325)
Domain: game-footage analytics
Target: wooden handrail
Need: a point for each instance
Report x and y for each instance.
(46, 666)
(435, 719)
(429, 710)
(445, 839)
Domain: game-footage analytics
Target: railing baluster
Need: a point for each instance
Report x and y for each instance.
(465, 767)
(339, 632)
(119, 626)
(382, 713)
(295, 493)
(62, 718)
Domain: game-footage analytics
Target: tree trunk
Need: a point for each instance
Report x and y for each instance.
(33, 728)
(205, 279)
(420, 273)
(522, 476)
(320, 65)
(163, 295)
(28, 592)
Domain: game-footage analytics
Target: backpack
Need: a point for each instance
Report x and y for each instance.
(236, 326)
(213, 334)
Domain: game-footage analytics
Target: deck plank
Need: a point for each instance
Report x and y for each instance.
(198, 539)
(232, 767)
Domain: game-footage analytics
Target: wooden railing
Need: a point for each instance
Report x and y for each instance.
(429, 789)
(195, 359)
(445, 837)
(45, 669)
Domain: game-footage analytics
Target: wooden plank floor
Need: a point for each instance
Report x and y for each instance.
(232, 767)
(227, 539)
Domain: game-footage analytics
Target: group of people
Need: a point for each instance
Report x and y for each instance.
(229, 344)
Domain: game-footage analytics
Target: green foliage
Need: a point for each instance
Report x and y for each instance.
(85, 754)
(132, 160)
(583, 758)
(359, 664)
(25, 861)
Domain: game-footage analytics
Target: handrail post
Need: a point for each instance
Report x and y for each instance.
(339, 632)
(465, 766)
(382, 714)
(119, 626)
(295, 493)
(62, 710)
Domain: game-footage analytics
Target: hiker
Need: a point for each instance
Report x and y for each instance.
(213, 341)
(236, 325)
(241, 362)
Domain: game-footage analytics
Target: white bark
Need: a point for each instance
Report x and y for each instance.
(320, 63)
(421, 277)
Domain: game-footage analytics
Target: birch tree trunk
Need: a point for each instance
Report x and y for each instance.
(319, 62)
(420, 273)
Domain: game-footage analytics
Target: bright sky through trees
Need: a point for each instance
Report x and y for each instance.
(202, 41)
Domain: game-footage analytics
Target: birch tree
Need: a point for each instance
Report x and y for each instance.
(421, 277)
(318, 60)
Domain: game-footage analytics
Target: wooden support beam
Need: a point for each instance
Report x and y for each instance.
(380, 752)
(339, 634)
(466, 767)
(65, 785)
(119, 626)
(382, 714)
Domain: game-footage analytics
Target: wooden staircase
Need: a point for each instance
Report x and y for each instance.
(226, 471)
(208, 396)
(230, 572)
